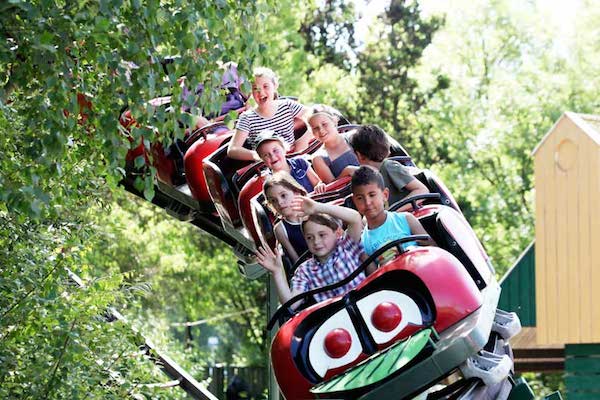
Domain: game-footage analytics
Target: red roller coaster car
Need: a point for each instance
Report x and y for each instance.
(423, 314)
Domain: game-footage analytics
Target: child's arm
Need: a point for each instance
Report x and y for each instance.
(348, 171)
(372, 267)
(415, 187)
(319, 187)
(285, 242)
(417, 229)
(299, 121)
(236, 149)
(272, 263)
(351, 217)
(322, 170)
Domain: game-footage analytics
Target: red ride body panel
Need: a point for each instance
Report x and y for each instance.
(426, 210)
(249, 191)
(454, 295)
(192, 161)
(165, 167)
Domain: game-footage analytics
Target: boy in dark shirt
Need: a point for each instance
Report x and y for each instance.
(371, 145)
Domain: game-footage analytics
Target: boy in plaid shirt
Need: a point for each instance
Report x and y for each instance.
(336, 254)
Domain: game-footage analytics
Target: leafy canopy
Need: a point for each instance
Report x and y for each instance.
(67, 69)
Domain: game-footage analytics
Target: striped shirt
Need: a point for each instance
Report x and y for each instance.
(282, 122)
(312, 274)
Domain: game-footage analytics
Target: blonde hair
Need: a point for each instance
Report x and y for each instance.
(321, 109)
(266, 73)
(282, 178)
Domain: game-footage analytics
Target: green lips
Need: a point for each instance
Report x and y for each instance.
(378, 367)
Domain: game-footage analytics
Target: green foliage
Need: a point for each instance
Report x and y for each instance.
(328, 33)
(55, 342)
(67, 68)
(389, 95)
(508, 86)
(192, 277)
(545, 384)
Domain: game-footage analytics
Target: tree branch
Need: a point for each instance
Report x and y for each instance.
(26, 295)
(60, 356)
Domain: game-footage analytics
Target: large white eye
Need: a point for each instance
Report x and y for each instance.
(387, 313)
(334, 344)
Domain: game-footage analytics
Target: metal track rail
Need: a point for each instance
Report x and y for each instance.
(175, 372)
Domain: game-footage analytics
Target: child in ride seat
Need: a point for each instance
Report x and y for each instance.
(370, 197)
(280, 189)
(371, 145)
(271, 113)
(271, 149)
(336, 158)
(335, 254)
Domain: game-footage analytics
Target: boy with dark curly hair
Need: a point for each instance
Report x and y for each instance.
(371, 145)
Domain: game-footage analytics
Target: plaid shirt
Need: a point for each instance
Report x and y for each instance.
(342, 262)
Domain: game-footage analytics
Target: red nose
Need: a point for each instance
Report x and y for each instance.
(337, 343)
(386, 316)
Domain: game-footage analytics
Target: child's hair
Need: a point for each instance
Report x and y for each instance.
(322, 219)
(269, 135)
(322, 109)
(372, 142)
(282, 178)
(366, 175)
(266, 73)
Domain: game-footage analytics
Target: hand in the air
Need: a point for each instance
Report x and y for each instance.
(271, 261)
(304, 206)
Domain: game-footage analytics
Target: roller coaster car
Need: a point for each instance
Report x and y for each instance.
(420, 289)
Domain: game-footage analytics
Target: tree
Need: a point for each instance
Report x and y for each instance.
(389, 94)
(66, 71)
(108, 54)
(328, 33)
(509, 83)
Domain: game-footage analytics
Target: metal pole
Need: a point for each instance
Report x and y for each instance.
(272, 303)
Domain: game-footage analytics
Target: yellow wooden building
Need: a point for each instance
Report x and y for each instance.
(567, 232)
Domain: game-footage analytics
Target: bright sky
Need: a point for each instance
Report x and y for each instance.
(560, 12)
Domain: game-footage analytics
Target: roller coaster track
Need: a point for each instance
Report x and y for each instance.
(179, 377)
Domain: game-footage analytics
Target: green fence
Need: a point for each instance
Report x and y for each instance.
(518, 288)
(582, 371)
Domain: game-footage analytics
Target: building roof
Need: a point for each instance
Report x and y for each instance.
(590, 124)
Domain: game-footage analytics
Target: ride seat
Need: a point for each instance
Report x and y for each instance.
(198, 146)
(263, 221)
(218, 171)
(453, 234)
(251, 190)
(435, 185)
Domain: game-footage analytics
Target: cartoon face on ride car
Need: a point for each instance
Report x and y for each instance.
(421, 288)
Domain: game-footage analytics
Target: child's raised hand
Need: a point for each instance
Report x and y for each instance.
(304, 206)
(270, 260)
